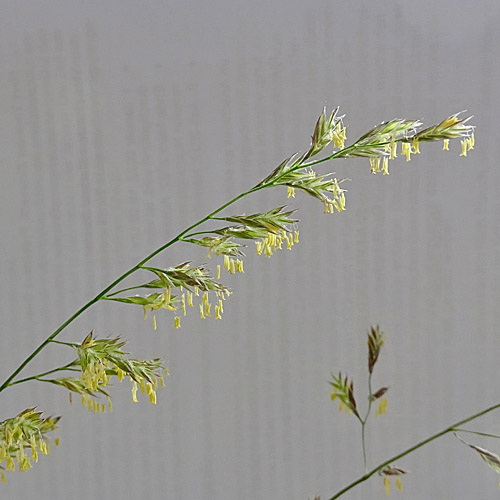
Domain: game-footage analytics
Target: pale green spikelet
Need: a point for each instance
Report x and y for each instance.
(26, 431)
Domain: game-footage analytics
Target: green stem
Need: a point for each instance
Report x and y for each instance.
(363, 421)
(447, 430)
(485, 434)
(69, 344)
(123, 290)
(37, 377)
(363, 444)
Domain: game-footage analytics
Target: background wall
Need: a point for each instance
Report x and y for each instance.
(122, 122)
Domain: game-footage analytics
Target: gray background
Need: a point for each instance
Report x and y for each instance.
(122, 122)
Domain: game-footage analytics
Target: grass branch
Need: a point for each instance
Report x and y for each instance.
(433, 437)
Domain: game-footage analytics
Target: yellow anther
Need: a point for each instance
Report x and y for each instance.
(183, 304)
(387, 484)
(446, 144)
(24, 463)
(274, 240)
(385, 165)
(218, 271)
(382, 407)
(464, 147)
(393, 150)
(341, 202)
(207, 309)
(43, 447)
(399, 485)
(151, 393)
(406, 150)
(34, 452)
(217, 313)
(177, 322)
